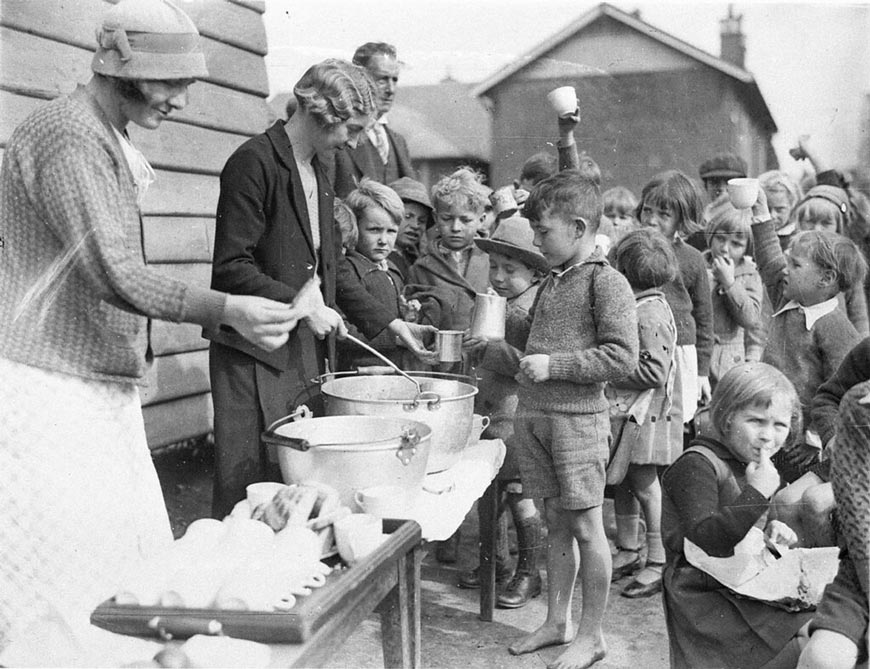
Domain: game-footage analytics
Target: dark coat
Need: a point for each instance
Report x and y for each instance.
(263, 246)
(351, 165)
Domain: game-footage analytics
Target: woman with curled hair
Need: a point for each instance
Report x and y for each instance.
(332, 91)
(275, 234)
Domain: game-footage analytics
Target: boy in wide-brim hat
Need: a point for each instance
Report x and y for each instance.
(515, 270)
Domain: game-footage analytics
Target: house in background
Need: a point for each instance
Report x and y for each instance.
(46, 47)
(445, 124)
(446, 127)
(648, 100)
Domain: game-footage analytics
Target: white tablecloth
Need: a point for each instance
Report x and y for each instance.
(441, 513)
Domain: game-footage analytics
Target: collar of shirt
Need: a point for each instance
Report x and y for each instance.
(595, 256)
(374, 128)
(812, 313)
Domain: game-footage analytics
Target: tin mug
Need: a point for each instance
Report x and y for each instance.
(488, 319)
(448, 345)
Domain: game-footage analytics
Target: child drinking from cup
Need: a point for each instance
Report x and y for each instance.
(714, 493)
(809, 333)
(515, 271)
(378, 212)
(646, 426)
(736, 292)
(581, 332)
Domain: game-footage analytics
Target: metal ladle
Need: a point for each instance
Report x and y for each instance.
(384, 358)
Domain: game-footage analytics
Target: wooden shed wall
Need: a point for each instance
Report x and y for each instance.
(45, 49)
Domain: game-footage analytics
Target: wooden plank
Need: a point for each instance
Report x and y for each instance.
(169, 239)
(169, 422)
(233, 115)
(169, 337)
(256, 5)
(176, 376)
(176, 193)
(175, 146)
(197, 274)
(186, 148)
(75, 23)
(34, 61)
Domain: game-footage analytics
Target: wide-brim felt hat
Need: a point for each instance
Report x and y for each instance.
(723, 166)
(514, 238)
(148, 39)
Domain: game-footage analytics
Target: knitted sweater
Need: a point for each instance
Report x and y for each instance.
(689, 298)
(586, 322)
(807, 357)
(854, 369)
(74, 288)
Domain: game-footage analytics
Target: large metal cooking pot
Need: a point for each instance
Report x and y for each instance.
(351, 453)
(446, 405)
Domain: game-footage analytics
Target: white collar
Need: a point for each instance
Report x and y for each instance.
(812, 313)
(383, 119)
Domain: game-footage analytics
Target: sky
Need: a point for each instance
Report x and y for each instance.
(811, 61)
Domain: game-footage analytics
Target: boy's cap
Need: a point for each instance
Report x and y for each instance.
(723, 166)
(837, 196)
(148, 39)
(514, 238)
(413, 191)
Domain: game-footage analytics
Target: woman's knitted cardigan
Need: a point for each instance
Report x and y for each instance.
(75, 293)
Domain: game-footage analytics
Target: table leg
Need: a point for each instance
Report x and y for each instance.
(400, 615)
(487, 513)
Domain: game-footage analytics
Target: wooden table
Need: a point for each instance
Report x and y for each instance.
(387, 581)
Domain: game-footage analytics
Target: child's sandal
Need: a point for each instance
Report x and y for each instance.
(628, 567)
(638, 588)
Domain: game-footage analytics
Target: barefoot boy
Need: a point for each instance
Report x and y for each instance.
(581, 332)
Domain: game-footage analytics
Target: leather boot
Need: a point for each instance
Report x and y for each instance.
(526, 582)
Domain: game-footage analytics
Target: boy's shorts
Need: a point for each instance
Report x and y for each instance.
(563, 455)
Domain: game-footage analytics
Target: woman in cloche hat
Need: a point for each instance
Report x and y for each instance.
(80, 497)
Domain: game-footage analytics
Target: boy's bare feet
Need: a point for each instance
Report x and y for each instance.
(546, 635)
(582, 653)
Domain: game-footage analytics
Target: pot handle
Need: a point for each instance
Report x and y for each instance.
(270, 437)
(407, 446)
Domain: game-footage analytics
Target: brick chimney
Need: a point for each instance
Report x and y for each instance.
(733, 47)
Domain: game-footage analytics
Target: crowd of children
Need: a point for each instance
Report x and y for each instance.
(679, 352)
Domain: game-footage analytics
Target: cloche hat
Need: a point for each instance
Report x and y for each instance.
(514, 238)
(148, 39)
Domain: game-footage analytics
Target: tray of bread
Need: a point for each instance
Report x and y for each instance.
(257, 575)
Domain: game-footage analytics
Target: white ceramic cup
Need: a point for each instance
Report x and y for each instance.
(262, 493)
(357, 535)
(563, 100)
(384, 501)
(743, 192)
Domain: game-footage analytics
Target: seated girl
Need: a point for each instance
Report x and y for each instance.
(714, 493)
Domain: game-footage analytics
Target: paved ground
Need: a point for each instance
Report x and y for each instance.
(453, 636)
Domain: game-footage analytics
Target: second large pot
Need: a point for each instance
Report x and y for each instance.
(447, 406)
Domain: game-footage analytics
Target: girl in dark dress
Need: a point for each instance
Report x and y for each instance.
(714, 493)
